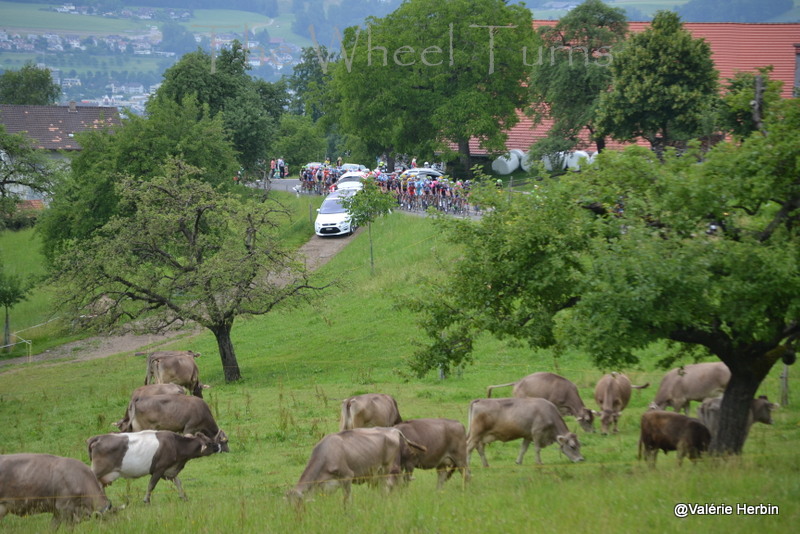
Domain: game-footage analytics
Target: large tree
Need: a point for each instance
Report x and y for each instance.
(700, 254)
(432, 74)
(573, 71)
(23, 167)
(29, 85)
(663, 83)
(184, 252)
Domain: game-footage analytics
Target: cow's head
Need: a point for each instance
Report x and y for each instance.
(586, 419)
(762, 410)
(608, 418)
(570, 446)
(221, 440)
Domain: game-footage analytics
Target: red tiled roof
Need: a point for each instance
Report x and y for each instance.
(735, 47)
(54, 127)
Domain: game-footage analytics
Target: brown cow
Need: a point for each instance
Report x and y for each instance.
(760, 412)
(43, 483)
(158, 453)
(693, 382)
(353, 457)
(558, 390)
(124, 424)
(179, 413)
(446, 444)
(612, 394)
(175, 367)
(530, 418)
(669, 431)
(371, 409)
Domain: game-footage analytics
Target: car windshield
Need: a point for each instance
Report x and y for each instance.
(332, 205)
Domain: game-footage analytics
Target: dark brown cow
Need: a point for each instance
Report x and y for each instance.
(179, 413)
(693, 382)
(446, 444)
(669, 431)
(124, 424)
(760, 412)
(43, 483)
(371, 409)
(612, 394)
(175, 367)
(558, 390)
(158, 453)
(531, 419)
(353, 457)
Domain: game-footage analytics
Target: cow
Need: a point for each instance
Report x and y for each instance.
(175, 367)
(359, 455)
(158, 453)
(124, 424)
(612, 394)
(531, 419)
(179, 413)
(669, 431)
(693, 382)
(558, 390)
(446, 444)
(371, 409)
(760, 412)
(43, 483)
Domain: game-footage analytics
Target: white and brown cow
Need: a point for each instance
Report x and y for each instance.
(446, 444)
(158, 453)
(760, 412)
(693, 382)
(669, 431)
(558, 390)
(370, 409)
(175, 367)
(183, 414)
(43, 483)
(531, 419)
(612, 394)
(360, 455)
(124, 424)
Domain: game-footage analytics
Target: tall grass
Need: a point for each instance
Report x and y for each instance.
(298, 363)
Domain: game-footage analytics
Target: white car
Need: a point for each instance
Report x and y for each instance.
(351, 180)
(332, 217)
(354, 167)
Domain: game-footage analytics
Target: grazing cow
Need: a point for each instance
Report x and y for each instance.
(353, 457)
(558, 390)
(158, 453)
(175, 367)
(612, 394)
(446, 444)
(179, 413)
(694, 382)
(531, 419)
(669, 431)
(124, 424)
(760, 412)
(43, 483)
(371, 409)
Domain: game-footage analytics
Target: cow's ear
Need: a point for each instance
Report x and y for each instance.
(561, 439)
(203, 448)
(188, 436)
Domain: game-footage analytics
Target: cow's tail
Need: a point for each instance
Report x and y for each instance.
(90, 445)
(150, 376)
(346, 422)
(643, 386)
(490, 388)
(413, 444)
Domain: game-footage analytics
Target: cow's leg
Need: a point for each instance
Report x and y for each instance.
(151, 486)
(523, 449)
(650, 456)
(178, 485)
(482, 454)
(537, 448)
(616, 422)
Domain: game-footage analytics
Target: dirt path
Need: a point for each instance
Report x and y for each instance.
(318, 251)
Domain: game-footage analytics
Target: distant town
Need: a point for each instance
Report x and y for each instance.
(96, 69)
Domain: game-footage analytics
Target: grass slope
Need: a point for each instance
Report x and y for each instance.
(299, 363)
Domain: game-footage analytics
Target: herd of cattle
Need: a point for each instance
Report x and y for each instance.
(163, 428)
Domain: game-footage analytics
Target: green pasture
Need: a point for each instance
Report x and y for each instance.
(32, 17)
(299, 363)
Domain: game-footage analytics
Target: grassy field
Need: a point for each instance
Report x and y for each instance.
(299, 363)
(33, 17)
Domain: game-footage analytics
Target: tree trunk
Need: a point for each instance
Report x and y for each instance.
(464, 157)
(230, 366)
(733, 413)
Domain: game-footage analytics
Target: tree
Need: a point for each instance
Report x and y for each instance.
(737, 114)
(573, 72)
(309, 81)
(699, 253)
(663, 81)
(432, 74)
(299, 141)
(28, 86)
(186, 252)
(365, 207)
(12, 291)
